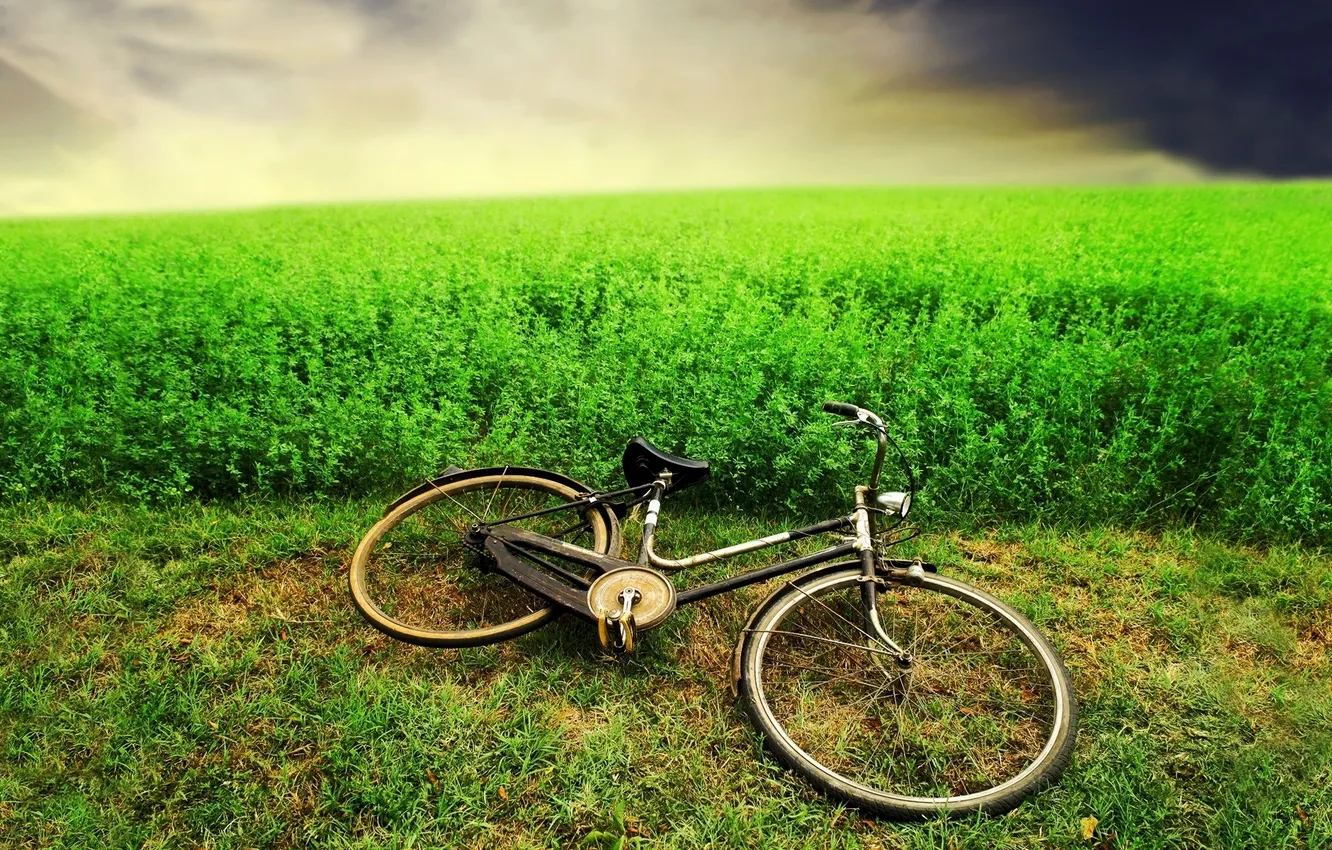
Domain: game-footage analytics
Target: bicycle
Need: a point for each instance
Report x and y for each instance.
(881, 682)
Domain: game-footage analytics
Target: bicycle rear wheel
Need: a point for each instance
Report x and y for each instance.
(415, 580)
(981, 718)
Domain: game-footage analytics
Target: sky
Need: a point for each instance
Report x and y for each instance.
(109, 105)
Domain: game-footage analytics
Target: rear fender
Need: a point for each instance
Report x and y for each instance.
(454, 474)
(447, 475)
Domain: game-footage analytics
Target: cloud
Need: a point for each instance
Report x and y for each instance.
(1237, 85)
(203, 104)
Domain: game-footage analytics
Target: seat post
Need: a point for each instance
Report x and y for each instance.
(659, 486)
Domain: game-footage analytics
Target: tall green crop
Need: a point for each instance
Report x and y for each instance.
(1136, 356)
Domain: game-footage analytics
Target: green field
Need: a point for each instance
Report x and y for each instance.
(1120, 400)
(1139, 357)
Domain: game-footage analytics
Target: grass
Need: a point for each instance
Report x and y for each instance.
(1140, 357)
(195, 675)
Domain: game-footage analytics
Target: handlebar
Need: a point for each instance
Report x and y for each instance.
(841, 408)
(856, 415)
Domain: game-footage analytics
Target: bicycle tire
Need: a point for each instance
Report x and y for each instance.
(462, 565)
(1037, 775)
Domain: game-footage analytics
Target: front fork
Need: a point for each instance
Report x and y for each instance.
(869, 581)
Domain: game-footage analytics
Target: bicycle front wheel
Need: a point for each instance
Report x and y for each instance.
(979, 719)
(414, 578)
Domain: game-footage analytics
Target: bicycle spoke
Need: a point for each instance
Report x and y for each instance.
(948, 649)
(498, 484)
(504, 508)
(449, 496)
(831, 678)
(830, 610)
(823, 640)
(422, 573)
(934, 655)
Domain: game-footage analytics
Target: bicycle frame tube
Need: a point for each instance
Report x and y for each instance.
(505, 544)
(508, 546)
(869, 588)
(694, 594)
(873, 489)
(586, 501)
(647, 557)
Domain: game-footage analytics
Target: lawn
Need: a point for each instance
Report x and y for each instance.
(196, 676)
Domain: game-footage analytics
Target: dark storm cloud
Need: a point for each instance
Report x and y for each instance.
(1236, 85)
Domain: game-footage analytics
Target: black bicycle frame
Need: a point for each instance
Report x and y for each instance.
(511, 548)
(505, 544)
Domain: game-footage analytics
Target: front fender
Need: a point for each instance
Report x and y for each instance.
(758, 609)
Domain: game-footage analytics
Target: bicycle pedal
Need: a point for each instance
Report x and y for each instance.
(604, 631)
(616, 631)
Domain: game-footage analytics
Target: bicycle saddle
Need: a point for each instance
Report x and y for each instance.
(644, 461)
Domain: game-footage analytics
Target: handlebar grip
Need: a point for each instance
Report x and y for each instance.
(841, 408)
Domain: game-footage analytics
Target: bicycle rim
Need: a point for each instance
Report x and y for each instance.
(415, 579)
(981, 718)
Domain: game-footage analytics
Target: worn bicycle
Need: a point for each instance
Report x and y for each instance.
(883, 683)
